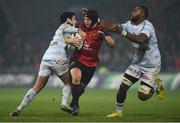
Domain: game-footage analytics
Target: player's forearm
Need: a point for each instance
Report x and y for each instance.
(71, 30)
(110, 41)
(137, 38)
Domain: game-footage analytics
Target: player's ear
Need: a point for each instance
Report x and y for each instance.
(68, 20)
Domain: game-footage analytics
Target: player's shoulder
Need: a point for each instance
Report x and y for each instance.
(127, 24)
(64, 25)
(148, 23)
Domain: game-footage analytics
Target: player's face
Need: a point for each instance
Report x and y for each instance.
(135, 14)
(73, 20)
(87, 22)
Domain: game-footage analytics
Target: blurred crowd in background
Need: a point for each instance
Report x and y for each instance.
(24, 40)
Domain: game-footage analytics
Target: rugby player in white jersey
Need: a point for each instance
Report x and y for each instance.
(147, 60)
(55, 60)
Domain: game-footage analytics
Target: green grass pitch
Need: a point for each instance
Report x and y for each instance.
(95, 105)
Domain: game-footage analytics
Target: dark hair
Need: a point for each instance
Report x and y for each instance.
(66, 15)
(146, 11)
(93, 15)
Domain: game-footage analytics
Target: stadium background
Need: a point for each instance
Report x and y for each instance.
(27, 27)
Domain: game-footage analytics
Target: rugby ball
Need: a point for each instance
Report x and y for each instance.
(78, 36)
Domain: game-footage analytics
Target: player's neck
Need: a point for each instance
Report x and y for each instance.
(139, 21)
(69, 23)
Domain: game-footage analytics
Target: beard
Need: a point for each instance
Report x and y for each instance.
(134, 18)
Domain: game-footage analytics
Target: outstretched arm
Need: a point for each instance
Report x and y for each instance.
(70, 29)
(109, 40)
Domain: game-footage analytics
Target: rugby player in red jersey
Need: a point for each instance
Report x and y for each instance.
(85, 60)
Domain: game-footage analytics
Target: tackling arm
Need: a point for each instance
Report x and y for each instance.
(105, 36)
(109, 40)
(70, 29)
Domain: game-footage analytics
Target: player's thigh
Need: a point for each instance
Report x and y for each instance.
(44, 73)
(44, 69)
(87, 74)
(60, 68)
(76, 72)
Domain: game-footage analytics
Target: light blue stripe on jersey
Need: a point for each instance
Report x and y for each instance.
(55, 53)
(146, 54)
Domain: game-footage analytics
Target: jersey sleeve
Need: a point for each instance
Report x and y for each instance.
(124, 25)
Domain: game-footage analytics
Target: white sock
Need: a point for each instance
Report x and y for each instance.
(119, 107)
(27, 99)
(66, 91)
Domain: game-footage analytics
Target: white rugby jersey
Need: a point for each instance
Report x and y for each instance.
(57, 48)
(146, 54)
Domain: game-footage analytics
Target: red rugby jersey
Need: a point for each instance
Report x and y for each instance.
(88, 55)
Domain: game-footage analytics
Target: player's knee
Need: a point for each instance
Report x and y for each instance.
(145, 92)
(125, 85)
(126, 81)
(76, 80)
(37, 90)
(143, 97)
(40, 83)
(76, 75)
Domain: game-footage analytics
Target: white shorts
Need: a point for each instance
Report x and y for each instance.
(147, 75)
(59, 67)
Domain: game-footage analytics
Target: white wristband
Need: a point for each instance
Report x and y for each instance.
(124, 33)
